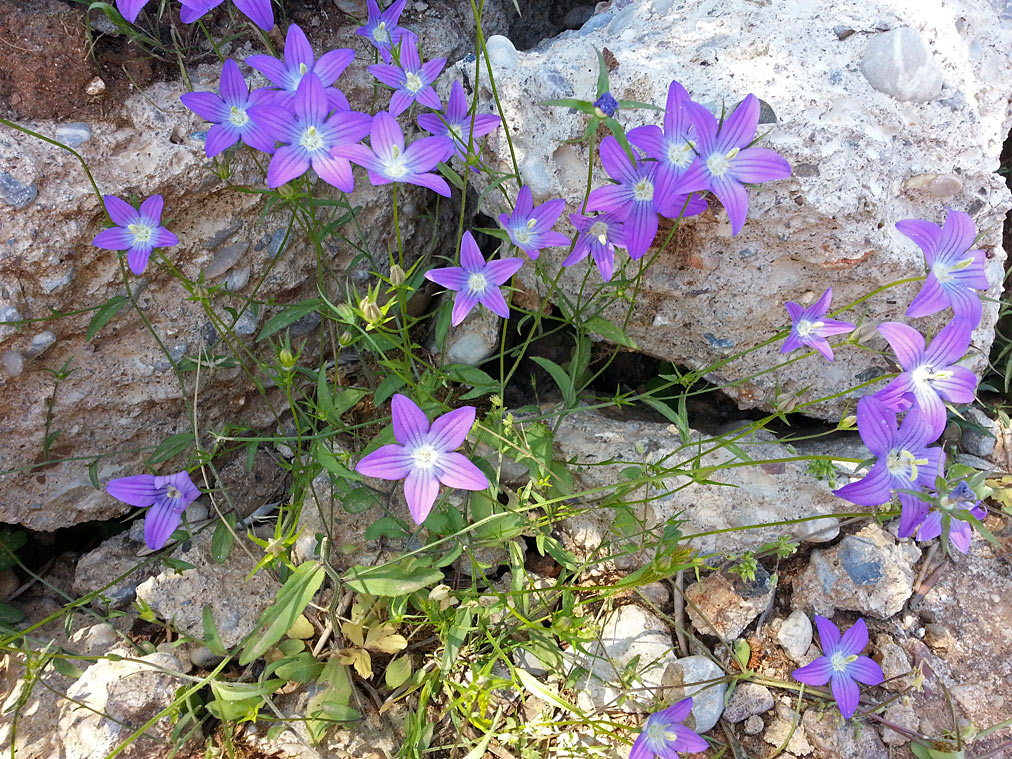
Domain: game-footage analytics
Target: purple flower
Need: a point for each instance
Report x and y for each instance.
(456, 123)
(903, 460)
(425, 456)
(841, 664)
(955, 271)
(389, 161)
(960, 498)
(167, 496)
(299, 61)
(929, 375)
(672, 148)
(636, 199)
(257, 11)
(811, 326)
(138, 232)
(476, 280)
(130, 9)
(606, 105)
(412, 80)
(530, 228)
(598, 236)
(312, 137)
(664, 735)
(228, 113)
(381, 28)
(729, 162)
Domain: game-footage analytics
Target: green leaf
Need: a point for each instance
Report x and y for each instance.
(171, 447)
(67, 668)
(105, 314)
(742, 653)
(638, 104)
(563, 380)
(455, 638)
(386, 527)
(330, 704)
(223, 538)
(602, 74)
(619, 132)
(177, 565)
(397, 672)
(452, 176)
(240, 701)
(539, 690)
(277, 618)
(580, 105)
(328, 461)
(300, 669)
(390, 385)
(358, 500)
(93, 475)
(610, 332)
(346, 400)
(390, 580)
(211, 638)
(9, 615)
(288, 316)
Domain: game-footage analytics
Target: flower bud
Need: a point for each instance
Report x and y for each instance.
(397, 276)
(346, 313)
(287, 191)
(345, 339)
(848, 422)
(370, 311)
(287, 358)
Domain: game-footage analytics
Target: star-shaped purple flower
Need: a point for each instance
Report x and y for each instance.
(381, 28)
(167, 496)
(312, 137)
(530, 228)
(138, 232)
(665, 736)
(387, 160)
(299, 60)
(903, 460)
(636, 199)
(599, 235)
(412, 80)
(456, 123)
(929, 374)
(425, 456)
(728, 161)
(228, 113)
(811, 326)
(960, 498)
(257, 11)
(955, 271)
(476, 280)
(841, 664)
(130, 9)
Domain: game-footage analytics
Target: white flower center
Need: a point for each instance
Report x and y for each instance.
(142, 233)
(456, 131)
(719, 164)
(839, 662)
(413, 82)
(238, 117)
(171, 491)
(806, 327)
(643, 190)
(477, 283)
(923, 375)
(903, 463)
(424, 457)
(394, 165)
(599, 230)
(380, 32)
(311, 140)
(680, 154)
(660, 734)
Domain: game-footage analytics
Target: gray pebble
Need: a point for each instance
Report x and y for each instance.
(753, 725)
(15, 193)
(974, 441)
(501, 51)
(247, 323)
(900, 64)
(74, 134)
(237, 279)
(796, 635)
(40, 343)
(225, 259)
(748, 700)
(202, 658)
(12, 363)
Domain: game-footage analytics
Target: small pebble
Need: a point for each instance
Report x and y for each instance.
(753, 725)
(796, 634)
(40, 343)
(501, 51)
(202, 658)
(900, 64)
(12, 362)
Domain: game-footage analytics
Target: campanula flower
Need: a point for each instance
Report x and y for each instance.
(841, 664)
(138, 232)
(665, 736)
(903, 460)
(671, 147)
(455, 122)
(312, 135)
(605, 106)
(425, 455)
(257, 11)
(166, 496)
(942, 513)
(412, 80)
(598, 236)
(954, 271)
(728, 161)
(635, 198)
(476, 280)
(381, 28)
(929, 375)
(810, 326)
(299, 60)
(130, 9)
(530, 228)
(228, 113)
(387, 160)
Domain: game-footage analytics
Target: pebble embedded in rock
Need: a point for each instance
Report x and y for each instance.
(40, 343)
(894, 662)
(474, 339)
(685, 677)
(900, 64)
(903, 716)
(975, 441)
(15, 193)
(501, 51)
(748, 700)
(74, 134)
(796, 635)
(753, 725)
(202, 658)
(12, 362)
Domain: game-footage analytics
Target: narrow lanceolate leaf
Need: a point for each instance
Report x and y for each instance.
(223, 538)
(288, 316)
(391, 580)
(562, 379)
(580, 105)
(610, 332)
(105, 314)
(277, 619)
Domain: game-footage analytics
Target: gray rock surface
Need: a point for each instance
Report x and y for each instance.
(748, 700)
(725, 604)
(688, 677)
(979, 442)
(795, 634)
(846, 740)
(474, 339)
(853, 149)
(900, 64)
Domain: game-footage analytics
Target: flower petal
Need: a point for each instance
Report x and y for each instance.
(739, 128)
(734, 198)
(866, 671)
(137, 490)
(219, 138)
(270, 67)
(755, 165)
(829, 634)
(924, 233)
(388, 74)
(873, 490)
(432, 182)
(334, 171)
(121, 212)
(160, 522)
(287, 164)
(332, 64)
(113, 238)
(615, 161)
(816, 673)
(950, 344)
(500, 271)
(463, 303)
(297, 48)
(876, 424)
(257, 11)
(494, 301)
(470, 255)
(931, 299)
(450, 277)
(907, 343)
(846, 693)
(137, 259)
(424, 154)
(855, 640)
(449, 431)
(232, 86)
(207, 105)
(459, 472)
(388, 462)
(420, 491)
(311, 99)
(410, 423)
(640, 228)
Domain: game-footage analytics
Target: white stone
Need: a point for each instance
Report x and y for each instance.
(796, 634)
(899, 63)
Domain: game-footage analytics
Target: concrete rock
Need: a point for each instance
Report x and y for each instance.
(852, 147)
(867, 572)
(687, 677)
(748, 700)
(895, 664)
(726, 604)
(118, 556)
(795, 634)
(842, 740)
(474, 339)
(979, 442)
(903, 716)
(900, 64)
